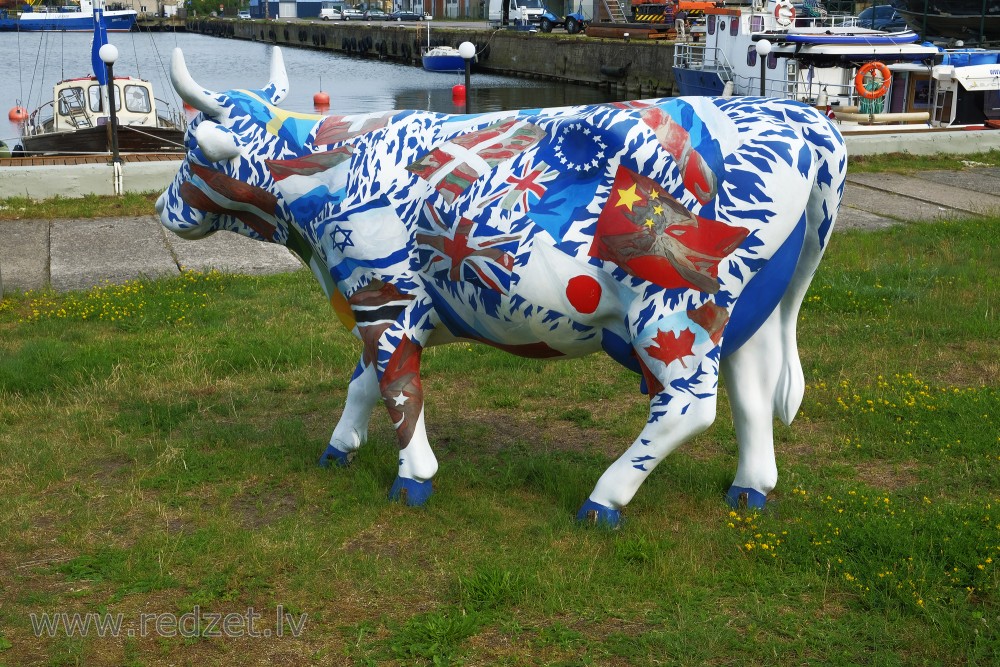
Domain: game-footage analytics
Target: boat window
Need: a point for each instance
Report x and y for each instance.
(94, 93)
(756, 23)
(772, 60)
(711, 24)
(722, 25)
(71, 97)
(734, 27)
(751, 56)
(137, 99)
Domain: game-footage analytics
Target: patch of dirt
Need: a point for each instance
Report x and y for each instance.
(888, 476)
(971, 363)
(259, 509)
(378, 541)
(109, 468)
(509, 427)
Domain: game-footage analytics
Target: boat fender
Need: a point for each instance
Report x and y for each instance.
(864, 71)
(784, 13)
(727, 90)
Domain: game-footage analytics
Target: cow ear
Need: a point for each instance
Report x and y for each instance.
(209, 103)
(277, 88)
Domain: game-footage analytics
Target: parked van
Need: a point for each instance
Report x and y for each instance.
(520, 10)
(332, 11)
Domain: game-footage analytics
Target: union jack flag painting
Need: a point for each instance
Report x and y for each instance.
(470, 252)
(455, 165)
(524, 185)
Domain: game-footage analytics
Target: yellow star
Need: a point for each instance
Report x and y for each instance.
(658, 210)
(653, 194)
(628, 197)
(649, 223)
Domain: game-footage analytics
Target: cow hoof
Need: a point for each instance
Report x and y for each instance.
(332, 455)
(410, 492)
(595, 514)
(741, 497)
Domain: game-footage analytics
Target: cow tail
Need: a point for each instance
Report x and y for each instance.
(791, 385)
(829, 175)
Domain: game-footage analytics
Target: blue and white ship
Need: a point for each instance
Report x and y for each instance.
(82, 20)
(867, 80)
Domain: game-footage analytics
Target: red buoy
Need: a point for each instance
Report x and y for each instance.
(458, 93)
(321, 100)
(18, 114)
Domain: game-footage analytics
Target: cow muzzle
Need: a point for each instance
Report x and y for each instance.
(185, 221)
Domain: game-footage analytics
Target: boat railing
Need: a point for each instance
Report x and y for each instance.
(168, 116)
(39, 118)
(832, 97)
(828, 21)
(700, 57)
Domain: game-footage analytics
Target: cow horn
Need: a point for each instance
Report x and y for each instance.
(277, 88)
(203, 100)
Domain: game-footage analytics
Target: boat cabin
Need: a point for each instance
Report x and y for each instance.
(81, 103)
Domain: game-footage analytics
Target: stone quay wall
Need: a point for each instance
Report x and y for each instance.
(640, 67)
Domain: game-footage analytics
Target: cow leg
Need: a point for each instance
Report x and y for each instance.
(677, 413)
(752, 374)
(764, 376)
(352, 429)
(401, 390)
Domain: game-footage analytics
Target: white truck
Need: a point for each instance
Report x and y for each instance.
(529, 11)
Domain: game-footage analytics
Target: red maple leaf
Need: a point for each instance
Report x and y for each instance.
(668, 346)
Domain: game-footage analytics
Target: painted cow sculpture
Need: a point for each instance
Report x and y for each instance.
(678, 235)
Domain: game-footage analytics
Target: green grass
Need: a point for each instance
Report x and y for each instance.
(157, 455)
(88, 206)
(908, 163)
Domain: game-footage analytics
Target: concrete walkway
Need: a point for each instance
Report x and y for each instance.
(77, 254)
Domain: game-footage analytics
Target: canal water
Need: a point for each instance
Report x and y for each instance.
(36, 61)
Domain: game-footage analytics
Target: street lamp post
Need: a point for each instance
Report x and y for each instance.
(468, 51)
(763, 48)
(109, 54)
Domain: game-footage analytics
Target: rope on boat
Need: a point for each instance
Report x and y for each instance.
(135, 128)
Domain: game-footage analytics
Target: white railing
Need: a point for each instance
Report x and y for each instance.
(701, 57)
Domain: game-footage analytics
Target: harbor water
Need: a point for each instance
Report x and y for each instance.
(36, 61)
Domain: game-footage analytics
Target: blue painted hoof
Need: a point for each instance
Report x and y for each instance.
(332, 455)
(410, 491)
(741, 497)
(595, 514)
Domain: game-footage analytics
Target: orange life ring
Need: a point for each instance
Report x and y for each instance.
(865, 70)
(784, 13)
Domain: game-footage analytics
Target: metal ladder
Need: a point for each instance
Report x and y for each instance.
(615, 11)
(72, 100)
(942, 106)
(792, 79)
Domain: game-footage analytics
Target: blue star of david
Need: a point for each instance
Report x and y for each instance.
(342, 238)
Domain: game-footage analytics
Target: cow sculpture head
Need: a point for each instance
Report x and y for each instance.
(226, 180)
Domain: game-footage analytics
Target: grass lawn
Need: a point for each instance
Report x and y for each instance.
(157, 466)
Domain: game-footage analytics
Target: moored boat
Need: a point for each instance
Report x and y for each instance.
(76, 121)
(78, 118)
(442, 59)
(868, 80)
(967, 20)
(120, 20)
